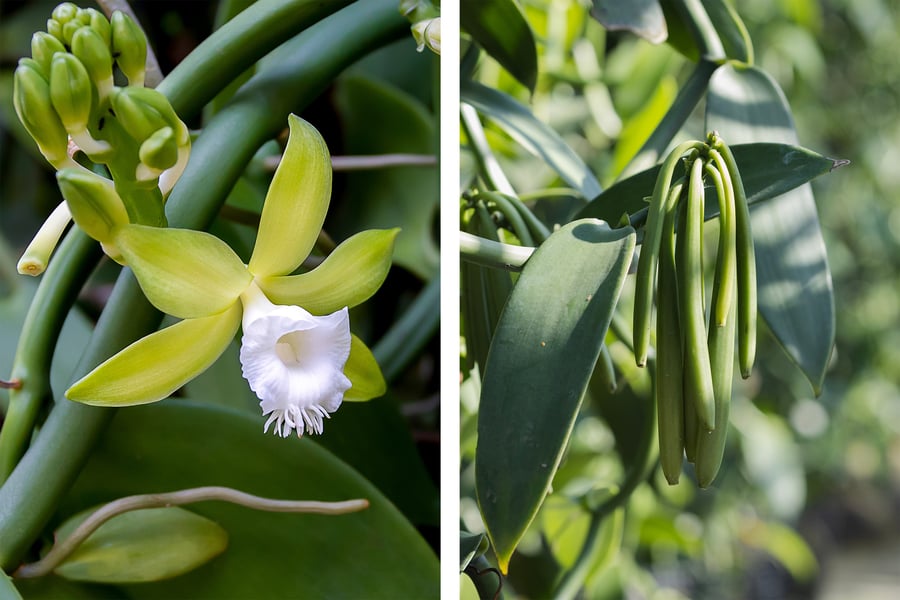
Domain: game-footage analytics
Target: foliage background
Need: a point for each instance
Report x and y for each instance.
(806, 501)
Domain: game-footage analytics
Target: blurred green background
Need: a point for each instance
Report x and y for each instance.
(807, 504)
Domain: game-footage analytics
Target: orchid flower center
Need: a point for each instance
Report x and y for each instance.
(294, 349)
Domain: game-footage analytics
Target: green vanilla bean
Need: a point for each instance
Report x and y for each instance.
(307, 66)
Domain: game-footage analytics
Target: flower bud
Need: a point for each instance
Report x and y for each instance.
(83, 16)
(31, 98)
(143, 111)
(88, 46)
(157, 153)
(64, 13)
(54, 28)
(428, 33)
(37, 254)
(95, 205)
(72, 95)
(69, 29)
(43, 47)
(100, 24)
(129, 46)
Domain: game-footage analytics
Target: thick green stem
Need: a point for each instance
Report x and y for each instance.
(489, 253)
(62, 280)
(237, 45)
(490, 169)
(305, 67)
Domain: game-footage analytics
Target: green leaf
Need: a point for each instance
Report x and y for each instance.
(713, 27)
(363, 371)
(767, 170)
(296, 203)
(347, 277)
(153, 367)
(533, 135)
(501, 29)
(471, 546)
(378, 118)
(184, 273)
(142, 545)
(541, 358)
(374, 553)
(565, 524)
(641, 17)
(794, 282)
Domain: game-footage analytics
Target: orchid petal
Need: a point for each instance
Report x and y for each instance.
(364, 373)
(153, 367)
(296, 203)
(185, 273)
(349, 276)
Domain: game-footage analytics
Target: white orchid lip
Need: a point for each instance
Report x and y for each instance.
(294, 362)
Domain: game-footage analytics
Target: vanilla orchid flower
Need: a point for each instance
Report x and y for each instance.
(294, 362)
(297, 352)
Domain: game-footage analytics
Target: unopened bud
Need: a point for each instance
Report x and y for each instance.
(94, 203)
(64, 13)
(72, 95)
(69, 29)
(100, 24)
(83, 16)
(54, 28)
(89, 48)
(31, 98)
(43, 47)
(428, 34)
(143, 111)
(129, 46)
(158, 153)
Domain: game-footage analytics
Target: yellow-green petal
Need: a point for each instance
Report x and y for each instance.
(155, 366)
(349, 276)
(183, 272)
(363, 372)
(296, 203)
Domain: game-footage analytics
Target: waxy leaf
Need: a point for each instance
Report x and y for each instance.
(794, 282)
(363, 371)
(296, 203)
(501, 29)
(767, 170)
(533, 135)
(641, 17)
(347, 277)
(183, 272)
(142, 545)
(153, 367)
(541, 358)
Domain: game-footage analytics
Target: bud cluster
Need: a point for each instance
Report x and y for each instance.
(66, 97)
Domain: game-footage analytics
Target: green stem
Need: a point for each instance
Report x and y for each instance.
(59, 287)
(411, 332)
(508, 208)
(490, 169)
(236, 46)
(688, 97)
(305, 67)
(488, 253)
(705, 34)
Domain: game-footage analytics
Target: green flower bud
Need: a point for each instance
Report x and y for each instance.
(43, 47)
(142, 111)
(95, 205)
(83, 16)
(158, 153)
(89, 48)
(100, 24)
(64, 13)
(54, 28)
(69, 29)
(129, 46)
(31, 98)
(71, 93)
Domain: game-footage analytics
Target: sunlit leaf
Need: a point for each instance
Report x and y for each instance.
(363, 371)
(471, 546)
(501, 29)
(641, 17)
(142, 545)
(541, 357)
(794, 282)
(532, 134)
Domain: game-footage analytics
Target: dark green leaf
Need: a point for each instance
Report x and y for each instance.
(794, 282)
(180, 444)
(543, 352)
(766, 169)
(471, 546)
(533, 135)
(641, 17)
(501, 29)
(710, 28)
